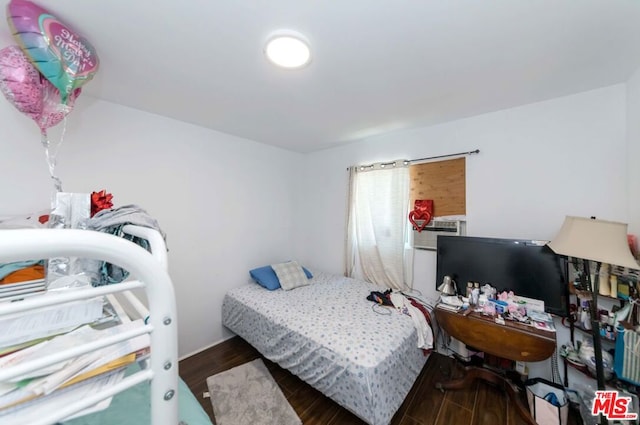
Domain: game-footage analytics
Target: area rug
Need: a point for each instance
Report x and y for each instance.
(248, 394)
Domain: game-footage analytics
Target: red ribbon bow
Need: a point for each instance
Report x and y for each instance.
(100, 201)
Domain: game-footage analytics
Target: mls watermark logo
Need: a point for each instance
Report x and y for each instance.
(612, 406)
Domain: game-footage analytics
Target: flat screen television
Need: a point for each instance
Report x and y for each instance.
(526, 267)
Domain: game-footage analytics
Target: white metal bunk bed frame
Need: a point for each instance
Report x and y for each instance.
(150, 270)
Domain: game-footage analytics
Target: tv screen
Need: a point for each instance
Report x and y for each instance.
(526, 267)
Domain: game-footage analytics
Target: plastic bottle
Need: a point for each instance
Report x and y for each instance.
(475, 293)
(605, 286)
(585, 315)
(613, 286)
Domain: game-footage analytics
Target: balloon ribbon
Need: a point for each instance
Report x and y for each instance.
(51, 153)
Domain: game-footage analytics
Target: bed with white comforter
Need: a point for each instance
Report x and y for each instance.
(328, 334)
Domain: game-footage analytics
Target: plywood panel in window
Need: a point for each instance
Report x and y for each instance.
(442, 181)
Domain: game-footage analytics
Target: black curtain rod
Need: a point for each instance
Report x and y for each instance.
(428, 158)
(445, 156)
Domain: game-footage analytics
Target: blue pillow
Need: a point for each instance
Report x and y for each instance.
(307, 272)
(265, 276)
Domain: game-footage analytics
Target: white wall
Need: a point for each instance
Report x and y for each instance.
(633, 141)
(537, 163)
(225, 203)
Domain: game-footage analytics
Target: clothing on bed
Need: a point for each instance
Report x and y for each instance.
(411, 307)
(423, 327)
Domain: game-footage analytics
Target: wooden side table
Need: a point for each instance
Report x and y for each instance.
(513, 341)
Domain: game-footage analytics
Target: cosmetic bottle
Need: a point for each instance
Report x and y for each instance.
(469, 289)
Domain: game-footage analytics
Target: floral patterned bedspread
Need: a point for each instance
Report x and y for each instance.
(328, 334)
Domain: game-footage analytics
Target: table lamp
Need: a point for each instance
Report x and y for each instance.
(448, 286)
(589, 239)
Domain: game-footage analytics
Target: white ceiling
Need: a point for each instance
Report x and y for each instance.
(377, 66)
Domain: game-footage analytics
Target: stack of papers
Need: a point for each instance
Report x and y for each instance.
(100, 367)
(30, 411)
(20, 327)
(444, 306)
(451, 300)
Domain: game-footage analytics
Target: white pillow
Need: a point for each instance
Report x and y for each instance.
(290, 275)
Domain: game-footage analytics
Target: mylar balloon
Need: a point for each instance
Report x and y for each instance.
(67, 60)
(29, 92)
(52, 110)
(20, 82)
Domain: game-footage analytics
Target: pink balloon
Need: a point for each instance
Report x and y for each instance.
(53, 111)
(26, 89)
(20, 82)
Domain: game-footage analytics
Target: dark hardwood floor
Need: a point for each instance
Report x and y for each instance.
(480, 404)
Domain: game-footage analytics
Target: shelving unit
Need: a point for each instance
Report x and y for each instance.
(582, 368)
(608, 342)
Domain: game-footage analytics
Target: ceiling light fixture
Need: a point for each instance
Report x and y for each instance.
(288, 49)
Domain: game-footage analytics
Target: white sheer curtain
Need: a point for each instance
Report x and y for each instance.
(377, 229)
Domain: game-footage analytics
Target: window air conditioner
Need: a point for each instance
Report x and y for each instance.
(428, 237)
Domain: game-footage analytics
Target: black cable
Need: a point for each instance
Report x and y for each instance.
(387, 312)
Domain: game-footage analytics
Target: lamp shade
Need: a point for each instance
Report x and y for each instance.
(595, 240)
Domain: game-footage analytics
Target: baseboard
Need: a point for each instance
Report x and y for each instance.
(199, 350)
